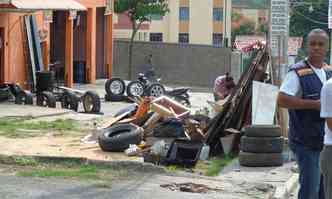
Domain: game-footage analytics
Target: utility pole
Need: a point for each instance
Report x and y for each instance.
(330, 47)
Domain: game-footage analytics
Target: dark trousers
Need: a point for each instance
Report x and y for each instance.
(326, 168)
(310, 176)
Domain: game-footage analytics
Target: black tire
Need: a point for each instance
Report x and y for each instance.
(91, 102)
(114, 98)
(262, 131)
(24, 97)
(70, 101)
(135, 89)
(4, 94)
(156, 90)
(118, 84)
(46, 99)
(261, 145)
(260, 159)
(118, 138)
(45, 81)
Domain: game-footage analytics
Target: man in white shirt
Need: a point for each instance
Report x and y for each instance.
(300, 94)
(326, 154)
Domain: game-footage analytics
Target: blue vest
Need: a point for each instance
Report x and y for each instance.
(306, 127)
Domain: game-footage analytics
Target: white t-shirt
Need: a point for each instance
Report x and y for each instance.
(291, 84)
(326, 109)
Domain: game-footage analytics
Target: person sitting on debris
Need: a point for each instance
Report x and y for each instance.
(300, 94)
(223, 86)
(326, 154)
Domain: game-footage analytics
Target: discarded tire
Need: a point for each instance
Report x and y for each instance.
(70, 101)
(114, 98)
(262, 131)
(91, 102)
(24, 97)
(46, 99)
(45, 81)
(118, 138)
(115, 86)
(135, 89)
(261, 144)
(4, 94)
(156, 90)
(260, 159)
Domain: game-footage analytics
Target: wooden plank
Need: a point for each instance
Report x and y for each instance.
(36, 44)
(31, 51)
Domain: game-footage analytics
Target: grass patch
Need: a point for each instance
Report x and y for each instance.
(33, 167)
(21, 128)
(217, 165)
(214, 166)
(83, 172)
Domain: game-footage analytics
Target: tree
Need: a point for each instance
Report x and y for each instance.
(304, 19)
(139, 11)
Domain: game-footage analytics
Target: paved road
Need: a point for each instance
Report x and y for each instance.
(148, 186)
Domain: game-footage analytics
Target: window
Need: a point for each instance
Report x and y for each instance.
(217, 39)
(184, 14)
(156, 17)
(183, 38)
(156, 37)
(218, 14)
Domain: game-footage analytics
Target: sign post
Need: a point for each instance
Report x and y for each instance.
(330, 27)
(279, 31)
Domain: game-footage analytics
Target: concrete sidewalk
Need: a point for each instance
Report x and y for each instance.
(283, 178)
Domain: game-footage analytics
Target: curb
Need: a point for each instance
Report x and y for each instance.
(283, 192)
(133, 165)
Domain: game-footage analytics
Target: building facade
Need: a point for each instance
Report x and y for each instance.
(71, 31)
(205, 22)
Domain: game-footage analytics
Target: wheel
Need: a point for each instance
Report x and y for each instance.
(135, 89)
(262, 131)
(118, 138)
(261, 145)
(46, 99)
(91, 102)
(156, 90)
(260, 159)
(70, 101)
(24, 97)
(115, 86)
(4, 94)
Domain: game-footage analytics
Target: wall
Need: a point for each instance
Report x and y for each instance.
(201, 22)
(15, 67)
(190, 65)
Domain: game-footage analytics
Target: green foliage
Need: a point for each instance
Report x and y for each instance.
(85, 172)
(218, 164)
(247, 28)
(10, 127)
(141, 10)
(302, 20)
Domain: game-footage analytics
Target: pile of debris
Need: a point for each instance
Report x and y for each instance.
(159, 129)
(164, 132)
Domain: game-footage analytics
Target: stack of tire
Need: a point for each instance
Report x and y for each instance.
(115, 89)
(261, 146)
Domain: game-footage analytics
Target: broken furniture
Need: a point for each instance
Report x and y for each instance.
(235, 113)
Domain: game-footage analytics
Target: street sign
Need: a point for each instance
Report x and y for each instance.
(330, 14)
(279, 27)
